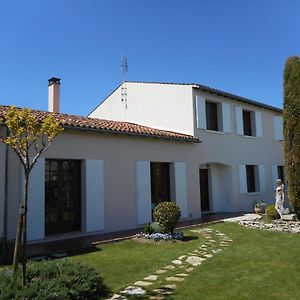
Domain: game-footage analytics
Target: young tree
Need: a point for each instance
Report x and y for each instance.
(28, 136)
(291, 117)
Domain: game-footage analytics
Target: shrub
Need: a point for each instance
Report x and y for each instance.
(57, 279)
(148, 229)
(167, 214)
(157, 227)
(6, 251)
(271, 213)
(291, 128)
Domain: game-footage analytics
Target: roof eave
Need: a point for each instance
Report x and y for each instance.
(192, 140)
(238, 98)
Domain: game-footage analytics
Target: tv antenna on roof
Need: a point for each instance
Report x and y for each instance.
(124, 70)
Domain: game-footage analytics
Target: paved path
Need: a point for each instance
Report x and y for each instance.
(244, 217)
(68, 242)
(163, 282)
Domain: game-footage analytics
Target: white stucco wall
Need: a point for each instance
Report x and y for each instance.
(119, 154)
(167, 106)
(233, 149)
(160, 106)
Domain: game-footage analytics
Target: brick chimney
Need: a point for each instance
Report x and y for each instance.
(53, 94)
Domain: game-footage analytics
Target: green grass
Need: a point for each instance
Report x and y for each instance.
(123, 263)
(256, 265)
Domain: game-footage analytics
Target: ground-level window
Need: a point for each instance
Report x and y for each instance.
(250, 173)
(62, 196)
(160, 182)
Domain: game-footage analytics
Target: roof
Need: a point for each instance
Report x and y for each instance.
(109, 126)
(217, 92)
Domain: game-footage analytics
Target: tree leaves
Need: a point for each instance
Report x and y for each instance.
(28, 135)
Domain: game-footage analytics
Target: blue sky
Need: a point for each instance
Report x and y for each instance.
(233, 45)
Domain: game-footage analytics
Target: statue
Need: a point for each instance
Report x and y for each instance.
(279, 197)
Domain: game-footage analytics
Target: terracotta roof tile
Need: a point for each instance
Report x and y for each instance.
(101, 125)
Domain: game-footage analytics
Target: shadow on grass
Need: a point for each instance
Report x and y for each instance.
(188, 238)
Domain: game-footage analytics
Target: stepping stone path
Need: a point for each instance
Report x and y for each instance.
(163, 284)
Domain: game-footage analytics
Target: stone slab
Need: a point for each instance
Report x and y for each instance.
(177, 262)
(190, 269)
(194, 260)
(151, 277)
(174, 279)
(170, 286)
(169, 267)
(117, 297)
(182, 275)
(208, 255)
(134, 291)
(160, 271)
(142, 283)
(290, 217)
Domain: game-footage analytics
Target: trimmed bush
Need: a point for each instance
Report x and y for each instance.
(57, 279)
(167, 214)
(271, 213)
(157, 227)
(291, 128)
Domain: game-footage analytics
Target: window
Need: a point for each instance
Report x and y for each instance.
(252, 178)
(215, 116)
(160, 182)
(247, 122)
(250, 173)
(212, 116)
(62, 196)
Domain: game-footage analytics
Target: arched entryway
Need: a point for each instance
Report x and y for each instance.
(216, 192)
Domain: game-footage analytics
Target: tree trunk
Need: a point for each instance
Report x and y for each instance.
(25, 228)
(18, 239)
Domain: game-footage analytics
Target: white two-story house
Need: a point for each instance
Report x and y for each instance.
(241, 154)
(206, 150)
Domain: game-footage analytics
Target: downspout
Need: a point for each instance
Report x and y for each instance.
(5, 191)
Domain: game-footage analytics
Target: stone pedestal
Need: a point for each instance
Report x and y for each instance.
(289, 217)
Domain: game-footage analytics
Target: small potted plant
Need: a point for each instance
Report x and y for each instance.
(259, 207)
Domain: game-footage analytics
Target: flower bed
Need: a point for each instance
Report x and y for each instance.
(161, 236)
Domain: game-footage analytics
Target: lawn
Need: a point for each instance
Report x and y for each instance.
(256, 265)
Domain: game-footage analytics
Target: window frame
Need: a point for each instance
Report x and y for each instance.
(214, 121)
(251, 178)
(249, 129)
